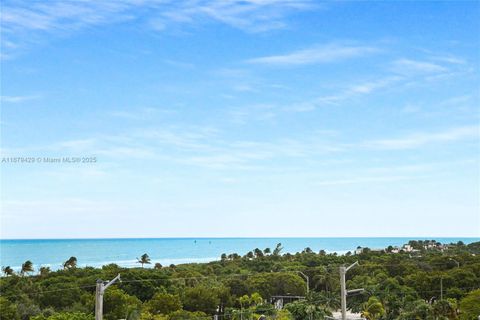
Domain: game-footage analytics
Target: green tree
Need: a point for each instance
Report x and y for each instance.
(470, 306)
(163, 303)
(256, 299)
(27, 267)
(187, 315)
(144, 259)
(201, 298)
(7, 271)
(258, 253)
(445, 308)
(8, 310)
(418, 310)
(71, 263)
(60, 293)
(373, 309)
(244, 301)
(148, 316)
(44, 271)
(118, 305)
(278, 249)
(66, 316)
(305, 310)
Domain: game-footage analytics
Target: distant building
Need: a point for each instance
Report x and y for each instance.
(350, 316)
(280, 301)
(360, 250)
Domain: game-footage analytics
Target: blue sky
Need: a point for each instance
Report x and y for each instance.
(248, 118)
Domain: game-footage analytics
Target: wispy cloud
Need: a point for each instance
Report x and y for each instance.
(412, 67)
(320, 54)
(24, 22)
(17, 99)
(356, 90)
(416, 140)
(365, 180)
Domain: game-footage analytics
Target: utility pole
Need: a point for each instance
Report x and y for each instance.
(344, 292)
(441, 278)
(101, 287)
(458, 263)
(307, 279)
(441, 288)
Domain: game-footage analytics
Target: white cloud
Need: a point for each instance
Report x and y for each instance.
(414, 67)
(364, 180)
(421, 139)
(321, 54)
(362, 88)
(17, 99)
(23, 23)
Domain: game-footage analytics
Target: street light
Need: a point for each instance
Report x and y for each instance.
(458, 263)
(344, 292)
(101, 287)
(441, 278)
(306, 278)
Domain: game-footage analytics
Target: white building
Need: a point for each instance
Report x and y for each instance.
(350, 316)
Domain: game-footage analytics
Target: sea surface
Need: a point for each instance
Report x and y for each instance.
(98, 252)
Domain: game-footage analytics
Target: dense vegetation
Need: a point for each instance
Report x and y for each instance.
(403, 285)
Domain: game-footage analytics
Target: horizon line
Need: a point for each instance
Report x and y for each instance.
(260, 237)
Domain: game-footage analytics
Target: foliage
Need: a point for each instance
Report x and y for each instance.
(398, 286)
(373, 309)
(201, 298)
(144, 259)
(163, 303)
(118, 305)
(470, 306)
(8, 310)
(66, 316)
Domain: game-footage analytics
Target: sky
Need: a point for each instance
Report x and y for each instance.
(256, 118)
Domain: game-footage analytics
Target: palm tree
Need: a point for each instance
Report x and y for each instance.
(307, 250)
(258, 253)
(267, 251)
(256, 299)
(249, 255)
(244, 301)
(71, 263)
(158, 266)
(144, 259)
(373, 309)
(278, 249)
(44, 271)
(7, 271)
(27, 266)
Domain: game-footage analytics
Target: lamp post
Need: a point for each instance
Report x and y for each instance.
(344, 292)
(101, 287)
(307, 279)
(441, 278)
(458, 263)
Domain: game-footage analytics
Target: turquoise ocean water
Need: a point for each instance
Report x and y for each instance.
(97, 252)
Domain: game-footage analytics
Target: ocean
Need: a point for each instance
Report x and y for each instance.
(98, 252)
